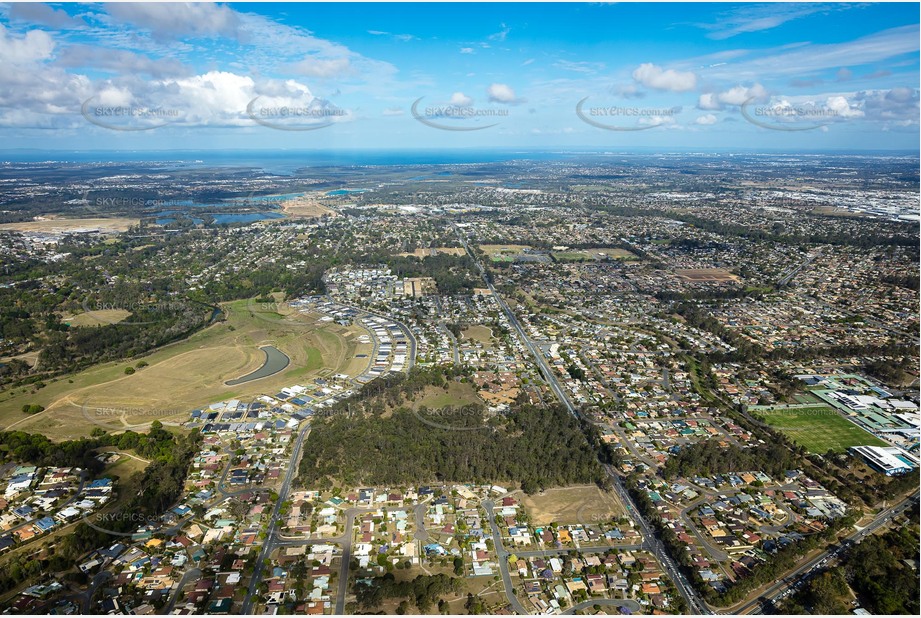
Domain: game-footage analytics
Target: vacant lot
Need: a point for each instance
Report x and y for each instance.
(570, 505)
(308, 206)
(818, 429)
(114, 224)
(99, 317)
(714, 275)
(593, 254)
(457, 395)
(482, 334)
(186, 375)
(503, 252)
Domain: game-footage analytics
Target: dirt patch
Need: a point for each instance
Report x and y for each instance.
(569, 505)
(306, 206)
(112, 225)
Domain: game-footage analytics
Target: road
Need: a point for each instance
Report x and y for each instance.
(268, 546)
(812, 567)
(651, 542)
(502, 558)
(190, 575)
(654, 546)
(545, 370)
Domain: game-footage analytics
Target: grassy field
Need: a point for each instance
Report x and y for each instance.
(818, 428)
(187, 374)
(97, 317)
(587, 255)
(569, 505)
(482, 334)
(503, 252)
(458, 394)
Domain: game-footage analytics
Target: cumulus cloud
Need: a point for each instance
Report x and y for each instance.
(460, 99)
(655, 77)
(742, 94)
(706, 119)
(737, 95)
(34, 46)
(502, 93)
(897, 105)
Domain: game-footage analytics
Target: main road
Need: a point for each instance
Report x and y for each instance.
(651, 542)
(812, 567)
(270, 541)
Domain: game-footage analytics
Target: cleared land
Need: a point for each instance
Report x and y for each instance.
(458, 394)
(818, 428)
(593, 254)
(482, 334)
(571, 505)
(307, 206)
(114, 224)
(188, 374)
(99, 317)
(503, 252)
(716, 275)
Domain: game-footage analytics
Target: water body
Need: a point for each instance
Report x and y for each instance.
(246, 217)
(275, 361)
(345, 191)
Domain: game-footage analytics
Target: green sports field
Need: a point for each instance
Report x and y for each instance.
(818, 428)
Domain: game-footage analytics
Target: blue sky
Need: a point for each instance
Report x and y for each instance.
(531, 76)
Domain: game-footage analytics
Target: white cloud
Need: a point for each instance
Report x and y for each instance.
(393, 111)
(118, 61)
(460, 99)
(34, 46)
(655, 77)
(527, 62)
(500, 36)
(708, 101)
(706, 119)
(466, 50)
(37, 13)
(737, 95)
(178, 20)
(741, 94)
(502, 93)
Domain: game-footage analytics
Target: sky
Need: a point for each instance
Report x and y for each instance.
(595, 76)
